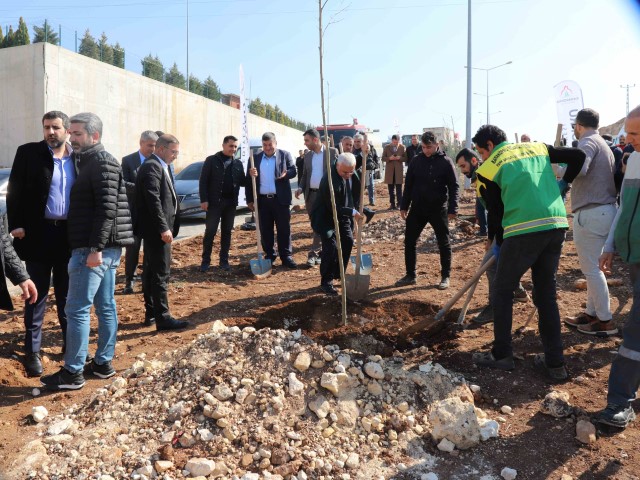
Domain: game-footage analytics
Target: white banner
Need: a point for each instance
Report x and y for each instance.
(568, 103)
(244, 141)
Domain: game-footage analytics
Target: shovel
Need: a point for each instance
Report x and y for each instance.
(358, 284)
(260, 267)
(430, 322)
(366, 263)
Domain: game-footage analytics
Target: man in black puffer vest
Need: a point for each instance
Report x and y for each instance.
(99, 225)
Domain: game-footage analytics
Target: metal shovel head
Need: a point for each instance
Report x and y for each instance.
(366, 263)
(260, 267)
(357, 286)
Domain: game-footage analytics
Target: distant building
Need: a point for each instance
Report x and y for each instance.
(231, 99)
(442, 133)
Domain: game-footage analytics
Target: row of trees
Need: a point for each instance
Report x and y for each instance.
(152, 67)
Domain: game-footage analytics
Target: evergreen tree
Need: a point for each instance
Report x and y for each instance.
(257, 107)
(211, 89)
(277, 114)
(8, 39)
(1, 37)
(89, 47)
(45, 34)
(22, 34)
(106, 50)
(269, 114)
(152, 67)
(118, 55)
(195, 85)
(175, 77)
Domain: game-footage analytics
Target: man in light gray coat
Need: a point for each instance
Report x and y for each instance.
(314, 169)
(593, 202)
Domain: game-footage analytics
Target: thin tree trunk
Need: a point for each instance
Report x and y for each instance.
(328, 164)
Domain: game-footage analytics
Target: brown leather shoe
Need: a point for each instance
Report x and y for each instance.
(599, 328)
(580, 320)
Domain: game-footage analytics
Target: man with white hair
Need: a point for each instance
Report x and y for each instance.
(346, 188)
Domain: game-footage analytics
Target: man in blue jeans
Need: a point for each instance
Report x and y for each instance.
(99, 225)
(624, 236)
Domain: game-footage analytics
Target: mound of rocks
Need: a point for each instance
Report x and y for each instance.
(252, 404)
(392, 229)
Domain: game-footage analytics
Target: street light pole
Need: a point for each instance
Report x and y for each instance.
(487, 70)
(468, 129)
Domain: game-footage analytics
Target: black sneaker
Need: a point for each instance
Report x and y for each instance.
(616, 416)
(485, 316)
(105, 370)
(557, 374)
(224, 266)
(128, 288)
(328, 289)
(63, 379)
(406, 280)
(204, 267)
(486, 359)
(521, 296)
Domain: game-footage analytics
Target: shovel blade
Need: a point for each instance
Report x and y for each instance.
(260, 267)
(366, 263)
(357, 286)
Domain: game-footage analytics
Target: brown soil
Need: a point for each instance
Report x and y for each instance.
(536, 445)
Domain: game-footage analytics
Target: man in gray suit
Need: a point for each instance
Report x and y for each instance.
(130, 165)
(314, 169)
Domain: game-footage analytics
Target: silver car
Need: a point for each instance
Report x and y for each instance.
(188, 191)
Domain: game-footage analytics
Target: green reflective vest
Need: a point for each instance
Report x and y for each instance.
(529, 189)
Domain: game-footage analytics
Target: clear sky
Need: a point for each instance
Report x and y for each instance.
(395, 65)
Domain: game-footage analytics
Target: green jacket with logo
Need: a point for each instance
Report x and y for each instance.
(520, 189)
(627, 224)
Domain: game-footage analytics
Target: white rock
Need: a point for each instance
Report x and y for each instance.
(39, 413)
(118, 383)
(241, 395)
(474, 388)
(205, 435)
(35, 392)
(429, 476)
(374, 370)
(336, 383)
(344, 360)
(200, 467)
(59, 427)
(585, 432)
(219, 327)
(374, 388)
(250, 476)
(446, 446)
(556, 404)
(62, 438)
(506, 409)
(302, 361)
(456, 421)
(508, 473)
(147, 471)
(489, 429)
(222, 392)
(296, 387)
(353, 461)
(163, 465)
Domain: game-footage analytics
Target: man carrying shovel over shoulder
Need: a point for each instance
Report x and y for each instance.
(346, 188)
(527, 213)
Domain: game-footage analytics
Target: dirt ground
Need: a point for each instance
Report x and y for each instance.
(536, 445)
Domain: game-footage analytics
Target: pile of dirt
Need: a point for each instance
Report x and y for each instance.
(246, 403)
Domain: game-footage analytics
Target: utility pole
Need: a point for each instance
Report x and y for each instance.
(627, 86)
(188, 46)
(469, 65)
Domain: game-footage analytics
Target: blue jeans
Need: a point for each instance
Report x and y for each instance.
(91, 286)
(370, 187)
(624, 378)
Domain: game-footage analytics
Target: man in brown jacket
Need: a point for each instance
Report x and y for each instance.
(394, 155)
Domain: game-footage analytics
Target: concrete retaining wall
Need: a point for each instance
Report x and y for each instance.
(41, 77)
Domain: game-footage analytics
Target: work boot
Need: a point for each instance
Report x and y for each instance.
(408, 279)
(170, 324)
(33, 364)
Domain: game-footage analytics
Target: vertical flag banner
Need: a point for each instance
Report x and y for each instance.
(244, 141)
(568, 103)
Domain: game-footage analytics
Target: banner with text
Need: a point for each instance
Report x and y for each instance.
(568, 103)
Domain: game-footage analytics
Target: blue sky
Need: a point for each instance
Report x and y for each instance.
(395, 65)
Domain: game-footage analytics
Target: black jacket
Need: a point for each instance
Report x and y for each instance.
(431, 183)
(11, 267)
(130, 165)
(212, 179)
(156, 201)
(98, 209)
(372, 160)
(412, 152)
(284, 161)
(27, 194)
(322, 212)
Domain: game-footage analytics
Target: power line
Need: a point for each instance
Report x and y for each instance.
(627, 86)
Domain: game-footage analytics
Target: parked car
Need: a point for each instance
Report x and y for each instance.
(187, 191)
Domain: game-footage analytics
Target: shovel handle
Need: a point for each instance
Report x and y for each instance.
(473, 280)
(465, 307)
(255, 206)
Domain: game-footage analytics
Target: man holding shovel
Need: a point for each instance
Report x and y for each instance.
(527, 213)
(346, 188)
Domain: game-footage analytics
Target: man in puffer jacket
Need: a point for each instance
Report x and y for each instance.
(99, 225)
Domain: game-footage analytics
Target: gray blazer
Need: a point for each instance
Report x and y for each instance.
(305, 181)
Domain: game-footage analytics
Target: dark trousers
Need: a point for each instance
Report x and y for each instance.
(57, 263)
(155, 276)
(539, 251)
(395, 191)
(132, 253)
(224, 213)
(416, 221)
(278, 216)
(481, 216)
(330, 267)
(624, 378)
